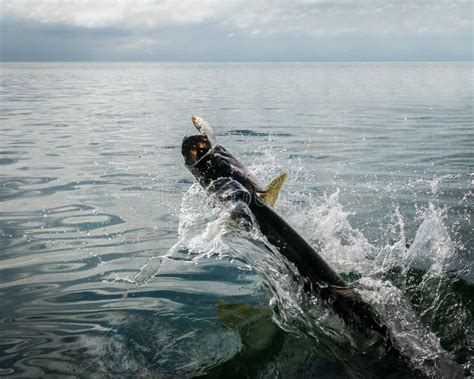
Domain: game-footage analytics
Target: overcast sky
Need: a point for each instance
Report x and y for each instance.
(236, 30)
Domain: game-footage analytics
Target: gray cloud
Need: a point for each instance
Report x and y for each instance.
(236, 30)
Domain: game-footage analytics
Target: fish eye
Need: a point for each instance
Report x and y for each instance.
(202, 151)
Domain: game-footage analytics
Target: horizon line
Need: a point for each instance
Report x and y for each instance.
(242, 61)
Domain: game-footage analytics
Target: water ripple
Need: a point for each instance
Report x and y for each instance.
(91, 189)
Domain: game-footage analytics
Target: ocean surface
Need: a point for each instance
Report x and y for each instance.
(114, 263)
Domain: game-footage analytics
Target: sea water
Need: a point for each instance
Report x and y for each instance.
(114, 264)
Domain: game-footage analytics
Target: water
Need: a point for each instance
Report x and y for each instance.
(114, 264)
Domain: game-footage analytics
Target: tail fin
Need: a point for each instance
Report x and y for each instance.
(270, 196)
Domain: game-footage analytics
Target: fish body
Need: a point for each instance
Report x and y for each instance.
(214, 168)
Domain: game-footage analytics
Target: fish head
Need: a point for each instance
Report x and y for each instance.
(194, 148)
(204, 162)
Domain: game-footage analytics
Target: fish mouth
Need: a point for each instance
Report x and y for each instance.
(195, 148)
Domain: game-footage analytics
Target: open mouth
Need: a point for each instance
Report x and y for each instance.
(194, 149)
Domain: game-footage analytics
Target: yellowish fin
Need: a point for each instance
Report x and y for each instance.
(241, 315)
(344, 292)
(270, 196)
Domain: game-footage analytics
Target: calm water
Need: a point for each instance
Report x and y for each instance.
(111, 266)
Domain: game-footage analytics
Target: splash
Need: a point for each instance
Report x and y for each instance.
(384, 274)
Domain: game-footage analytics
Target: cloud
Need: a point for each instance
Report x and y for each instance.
(104, 13)
(238, 29)
(267, 16)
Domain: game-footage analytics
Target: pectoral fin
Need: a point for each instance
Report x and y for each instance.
(239, 316)
(344, 292)
(270, 196)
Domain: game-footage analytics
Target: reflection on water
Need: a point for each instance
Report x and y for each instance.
(380, 157)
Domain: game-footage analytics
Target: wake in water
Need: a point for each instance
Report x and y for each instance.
(415, 287)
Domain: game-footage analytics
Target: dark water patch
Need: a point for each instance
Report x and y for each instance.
(67, 209)
(106, 115)
(307, 156)
(51, 168)
(124, 175)
(87, 222)
(18, 113)
(455, 306)
(11, 275)
(86, 296)
(13, 152)
(136, 189)
(70, 267)
(37, 289)
(22, 143)
(8, 161)
(39, 124)
(424, 118)
(119, 153)
(12, 239)
(316, 189)
(185, 181)
(16, 182)
(20, 192)
(310, 115)
(252, 133)
(224, 273)
(255, 153)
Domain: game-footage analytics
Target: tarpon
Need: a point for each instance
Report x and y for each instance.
(220, 173)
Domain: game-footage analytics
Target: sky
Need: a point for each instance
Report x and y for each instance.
(236, 30)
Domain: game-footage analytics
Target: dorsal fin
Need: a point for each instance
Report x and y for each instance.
(270, 196)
